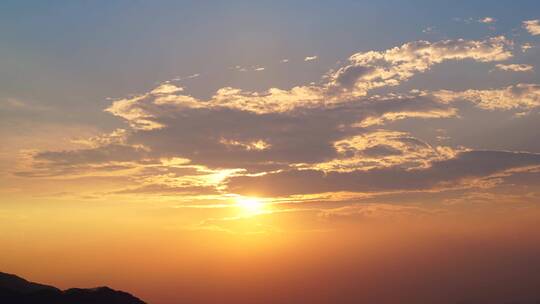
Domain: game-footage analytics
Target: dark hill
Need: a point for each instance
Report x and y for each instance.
(16, 290)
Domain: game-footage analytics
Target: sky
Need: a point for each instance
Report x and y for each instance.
(250, 151)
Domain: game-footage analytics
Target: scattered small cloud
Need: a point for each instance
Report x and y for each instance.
(484, 20)
(240, 68)
(284, 60)
(515, 67)
(487, 20)
(532, 26)
(526, 46)
(311, 58)
(464, 20)
(13, 103)
(20, 105)
(429, 30)
(192, 76)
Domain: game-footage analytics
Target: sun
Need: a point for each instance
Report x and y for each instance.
(250, 205)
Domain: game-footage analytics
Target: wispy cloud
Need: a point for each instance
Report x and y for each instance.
(240, 68)
(429, 30)
(192, 76)
(520, 96)
(526, 46)
(487, 20)
(311, 58)
(515, 67)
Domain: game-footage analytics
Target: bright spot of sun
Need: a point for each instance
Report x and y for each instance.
(250, 205)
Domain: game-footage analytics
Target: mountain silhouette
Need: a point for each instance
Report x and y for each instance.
(16, 290)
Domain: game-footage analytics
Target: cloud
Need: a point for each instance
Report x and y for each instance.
(331, 133)
(526, 46)
(380, 149)
(166, 89)
(373, 69)
(487, 20)
(16, 105)
(532, 26)
(429, 30)
(365, 71)
(13, 103)
(374, 211)
(232, 133)
(140, 110)
(246, 69)
(519, 96)
(102, 154)
(515, 67)
(162, 189)
(398, 107)
(457, 171)
(103, 159)
(192, 76)
(310, 58)
(240, 68)
(246, 145)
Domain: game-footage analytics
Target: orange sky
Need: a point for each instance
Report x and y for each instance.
(384, 255)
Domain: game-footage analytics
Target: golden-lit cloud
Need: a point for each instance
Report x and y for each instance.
(515, 67)
(520, 96)
(375, 211)
(374, 69)
(383, 149)
(532, 26)
(253, 145)
(487, 20)
(298, 143)
(526, 46)
(365, 72)
(466, 169)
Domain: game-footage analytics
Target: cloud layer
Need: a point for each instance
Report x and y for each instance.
(333, 136)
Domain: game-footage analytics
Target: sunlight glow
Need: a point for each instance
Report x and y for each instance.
(250, 205)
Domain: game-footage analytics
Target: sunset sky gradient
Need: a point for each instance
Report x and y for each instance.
(273, 152)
